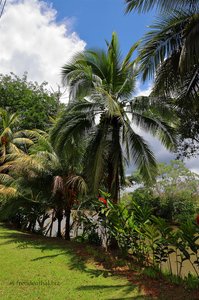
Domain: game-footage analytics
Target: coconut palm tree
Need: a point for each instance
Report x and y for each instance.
(101, 84)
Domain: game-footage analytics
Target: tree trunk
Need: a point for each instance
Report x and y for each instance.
(33, 226)
(59, 220)
(44, 218)
(67, 226)
(113, 183)
(114, 165)
(29, 226)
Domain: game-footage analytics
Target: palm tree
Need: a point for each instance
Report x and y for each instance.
(51, 175)
(170, 53)
(13, 143)
(101, 84)
(162, 5)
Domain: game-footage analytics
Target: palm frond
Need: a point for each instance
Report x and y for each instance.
(75, 129)
(22, 141)
(8, 192)
(166, 37)
(141, 155)
(96, 156)
(161, 5)
(171, 83)
(77, 182)
(157, 127)
(154, 104)
(190, 50)
(6, 179)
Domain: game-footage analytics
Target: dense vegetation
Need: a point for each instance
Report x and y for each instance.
(174, 195)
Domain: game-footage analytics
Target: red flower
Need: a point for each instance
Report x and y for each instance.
(197, 219)
(102, 200)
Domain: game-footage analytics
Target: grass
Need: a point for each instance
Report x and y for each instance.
(34, 267)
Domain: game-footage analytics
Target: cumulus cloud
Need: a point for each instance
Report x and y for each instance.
(32, 40)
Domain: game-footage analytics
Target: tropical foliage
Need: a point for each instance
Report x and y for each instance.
(148, 239)
(174, 196)
(50, 180)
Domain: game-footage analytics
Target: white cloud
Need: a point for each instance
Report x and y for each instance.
(140, 91)
(31, 40)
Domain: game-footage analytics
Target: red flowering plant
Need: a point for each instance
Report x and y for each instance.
(102, 200)
(103, 197)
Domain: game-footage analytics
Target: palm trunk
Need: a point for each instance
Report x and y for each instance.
(67, 226)
(59, 220)
(113, 171)
(42, 221)
(113, 185)
(29, 226)
(33, 226)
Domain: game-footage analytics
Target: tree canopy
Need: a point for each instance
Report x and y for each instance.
(32, 101)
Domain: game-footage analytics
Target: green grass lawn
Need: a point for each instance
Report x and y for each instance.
(34, 267)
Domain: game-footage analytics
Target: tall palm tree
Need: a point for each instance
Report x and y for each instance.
(101, 84)
(162, 5)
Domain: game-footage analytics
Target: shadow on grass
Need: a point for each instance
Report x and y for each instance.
(25, 240)
(124, 288)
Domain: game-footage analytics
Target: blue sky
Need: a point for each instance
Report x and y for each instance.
(95, 20)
